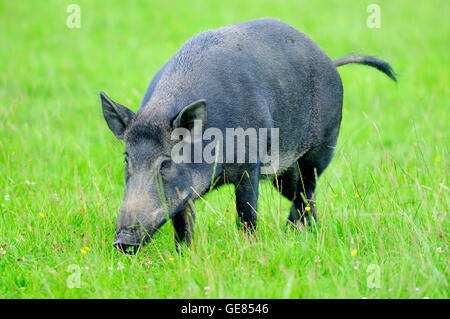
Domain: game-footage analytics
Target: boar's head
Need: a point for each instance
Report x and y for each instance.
(156, 187)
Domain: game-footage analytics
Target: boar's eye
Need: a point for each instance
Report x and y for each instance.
(126, 157)
(165, 164)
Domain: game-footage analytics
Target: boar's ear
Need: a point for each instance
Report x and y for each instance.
(193, 112)
(117, 116)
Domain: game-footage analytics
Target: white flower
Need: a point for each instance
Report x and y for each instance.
(6, 197)
(120, 266)
(439, 250)
(417, 289)
(219, 222)
(110, 268)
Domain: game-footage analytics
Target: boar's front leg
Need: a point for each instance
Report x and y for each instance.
(183, 224)
(247, 197)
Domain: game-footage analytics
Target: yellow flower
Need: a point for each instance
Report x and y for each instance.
(42, 215)
(356, 195)
(171, 259)
(437, 159)
(98, 203)
(83, 251)
(307, 208)
(353, 252)
(86, 248)
(336, 195)
(291, 245)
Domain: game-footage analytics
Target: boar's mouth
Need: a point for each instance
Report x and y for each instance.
(130, 239)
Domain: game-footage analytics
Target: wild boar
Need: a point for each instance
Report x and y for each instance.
(224, 86)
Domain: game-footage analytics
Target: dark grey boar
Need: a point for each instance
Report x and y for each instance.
(261, 74)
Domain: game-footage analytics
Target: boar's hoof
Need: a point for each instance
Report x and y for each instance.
(298, 225)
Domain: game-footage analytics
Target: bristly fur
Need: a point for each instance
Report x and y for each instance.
(372, 61)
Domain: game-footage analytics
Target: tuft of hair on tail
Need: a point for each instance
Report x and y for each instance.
(372, 61)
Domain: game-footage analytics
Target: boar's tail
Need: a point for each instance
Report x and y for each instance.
(381, 65)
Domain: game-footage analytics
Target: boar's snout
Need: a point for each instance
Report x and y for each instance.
(128, 241)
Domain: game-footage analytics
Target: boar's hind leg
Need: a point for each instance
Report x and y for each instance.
(247, 197)
(299, 182)
(183, 224)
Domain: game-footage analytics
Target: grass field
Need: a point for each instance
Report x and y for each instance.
(382, 203)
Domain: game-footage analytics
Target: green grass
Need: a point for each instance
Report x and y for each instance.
(58, 158)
